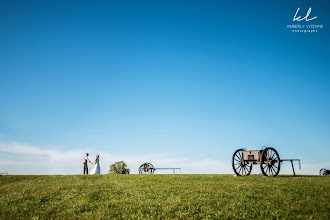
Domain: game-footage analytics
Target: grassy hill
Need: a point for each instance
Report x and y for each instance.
(164, 196)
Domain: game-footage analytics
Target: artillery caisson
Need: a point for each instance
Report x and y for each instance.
(268, 159)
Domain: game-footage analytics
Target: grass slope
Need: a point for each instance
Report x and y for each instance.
(164, 196)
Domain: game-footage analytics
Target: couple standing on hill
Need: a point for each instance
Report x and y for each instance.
(96, 168)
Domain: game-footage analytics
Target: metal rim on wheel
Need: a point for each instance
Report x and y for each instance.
(270, 162)
(146, 168)
(240, 167)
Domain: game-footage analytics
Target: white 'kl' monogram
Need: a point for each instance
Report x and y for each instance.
(306, 17)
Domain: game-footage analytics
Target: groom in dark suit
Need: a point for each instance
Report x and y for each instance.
(85, 163)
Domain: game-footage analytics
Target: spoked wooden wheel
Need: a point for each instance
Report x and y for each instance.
(240, 167)
(146, 168)
(270, 162)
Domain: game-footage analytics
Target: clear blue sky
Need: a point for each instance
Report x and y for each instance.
(195, 79)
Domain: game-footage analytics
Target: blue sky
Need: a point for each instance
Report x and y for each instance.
(173, 83)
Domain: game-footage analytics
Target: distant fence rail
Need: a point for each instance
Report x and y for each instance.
(168, 169)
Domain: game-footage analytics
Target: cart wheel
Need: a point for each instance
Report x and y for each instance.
(323, 172)
(146, 168)
(240, 167)
(270, 162)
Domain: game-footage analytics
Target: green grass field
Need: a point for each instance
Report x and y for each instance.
(164, 197)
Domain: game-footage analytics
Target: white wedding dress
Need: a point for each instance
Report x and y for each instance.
(96, 168)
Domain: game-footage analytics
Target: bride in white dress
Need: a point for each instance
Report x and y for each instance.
(96, 168)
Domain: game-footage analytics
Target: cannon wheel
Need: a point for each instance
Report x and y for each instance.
(323, 172)
(240, 167)
(146, 168)
(270, 162)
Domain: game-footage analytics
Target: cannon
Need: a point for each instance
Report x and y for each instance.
(148, 168)
(324, 172)
(268, 159)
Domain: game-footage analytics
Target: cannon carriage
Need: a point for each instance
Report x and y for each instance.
(268, 159)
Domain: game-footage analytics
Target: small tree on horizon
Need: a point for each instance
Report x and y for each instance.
(119, 167)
